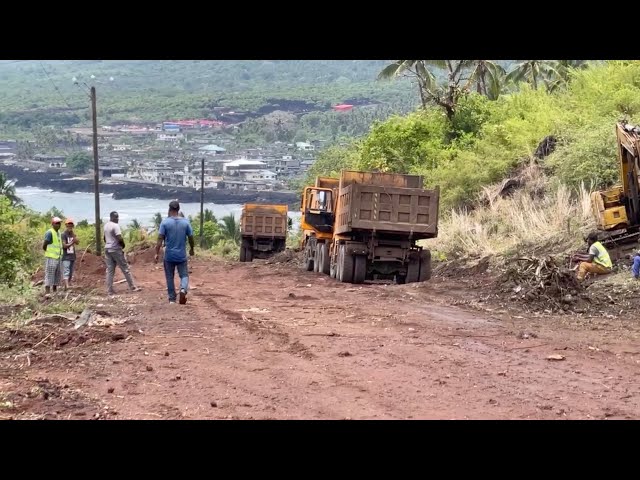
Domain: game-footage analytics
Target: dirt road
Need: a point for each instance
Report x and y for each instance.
(259, 341)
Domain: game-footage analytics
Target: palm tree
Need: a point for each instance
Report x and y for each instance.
(412, 68)
(136, 232)
(157, 220)
(8, 189)
(486, 75)
(533, 71)
(446, 95)
(209, 216)
(135, 224)
(562, 70)
(230, 228)
(497, 84)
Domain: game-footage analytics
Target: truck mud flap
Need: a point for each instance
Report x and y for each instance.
(356, 248)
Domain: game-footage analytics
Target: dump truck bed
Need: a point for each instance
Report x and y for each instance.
(401, 180)
(260, 220)
(383, 209)
(327, 182)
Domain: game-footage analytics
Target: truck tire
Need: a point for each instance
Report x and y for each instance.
(413, 270)
(346, 265)
(324, 261)
(425, 265)
(307, 258)
(318, 258)
(333, 266)
(360, 269)
(248, 254)
(243, 253)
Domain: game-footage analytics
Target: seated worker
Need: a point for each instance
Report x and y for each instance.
(597, 261)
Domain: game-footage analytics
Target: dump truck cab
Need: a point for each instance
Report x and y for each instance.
(318, 207)
(317, 210)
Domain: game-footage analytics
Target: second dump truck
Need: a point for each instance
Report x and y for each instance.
(365, 225)
(263, 229)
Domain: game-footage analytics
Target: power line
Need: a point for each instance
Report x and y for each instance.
(55, 86)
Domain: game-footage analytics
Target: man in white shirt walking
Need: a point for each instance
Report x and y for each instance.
(114, 253)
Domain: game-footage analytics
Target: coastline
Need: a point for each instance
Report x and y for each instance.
(129, 190)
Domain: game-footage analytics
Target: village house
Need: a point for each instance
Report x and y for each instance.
(112, 171)
(121, 147)
(287, 165)
(52, 161)
(305, 146)
(211, 150)
(245, 185)
(265, 175)
(173, 137)
(193, 175)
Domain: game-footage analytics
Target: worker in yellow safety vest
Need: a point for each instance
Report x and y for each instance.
(597, 261)
(52, 247)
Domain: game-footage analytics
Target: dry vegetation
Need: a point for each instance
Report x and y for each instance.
(537, 214)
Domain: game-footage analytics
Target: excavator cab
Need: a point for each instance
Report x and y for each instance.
(317, 206)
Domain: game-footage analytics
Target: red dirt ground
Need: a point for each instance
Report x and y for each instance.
(270, 341)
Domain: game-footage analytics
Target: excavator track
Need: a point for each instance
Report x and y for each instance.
(621, 239)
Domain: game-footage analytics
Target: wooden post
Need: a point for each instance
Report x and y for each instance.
(96, 171)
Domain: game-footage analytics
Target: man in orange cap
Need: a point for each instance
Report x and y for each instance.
(52, 247)
(69, 242)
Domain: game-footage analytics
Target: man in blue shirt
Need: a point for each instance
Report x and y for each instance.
(174, 231)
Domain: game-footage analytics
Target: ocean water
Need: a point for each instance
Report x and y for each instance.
(80, 206)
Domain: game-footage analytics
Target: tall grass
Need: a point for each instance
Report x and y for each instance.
(555, 217)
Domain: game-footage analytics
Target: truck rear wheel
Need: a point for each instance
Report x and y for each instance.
(346, 265)
(307, 258)
(324, 261)
(248, 254)
(360, 269)
(243, 253)
(333, 266)
(425, 266)
(315, 261)
(413, 270)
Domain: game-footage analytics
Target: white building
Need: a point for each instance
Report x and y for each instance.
(305, 146)
(121, 147)
(256, 175)
(212, 149)
(170, 137)
(236, 167)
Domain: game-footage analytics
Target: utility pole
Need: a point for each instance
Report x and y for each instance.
(96, 171)
(202, 205)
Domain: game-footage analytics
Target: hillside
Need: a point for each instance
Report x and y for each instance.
(42, 92)
(488, 141)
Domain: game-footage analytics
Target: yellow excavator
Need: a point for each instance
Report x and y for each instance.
(617, 210)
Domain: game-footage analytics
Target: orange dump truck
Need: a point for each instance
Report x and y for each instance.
(263, 229)
(365, 225)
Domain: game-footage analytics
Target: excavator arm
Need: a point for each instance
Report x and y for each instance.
(628, 138)
(617, 210)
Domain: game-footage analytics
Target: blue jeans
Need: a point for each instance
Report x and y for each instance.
(183, 273)
(635, 270)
